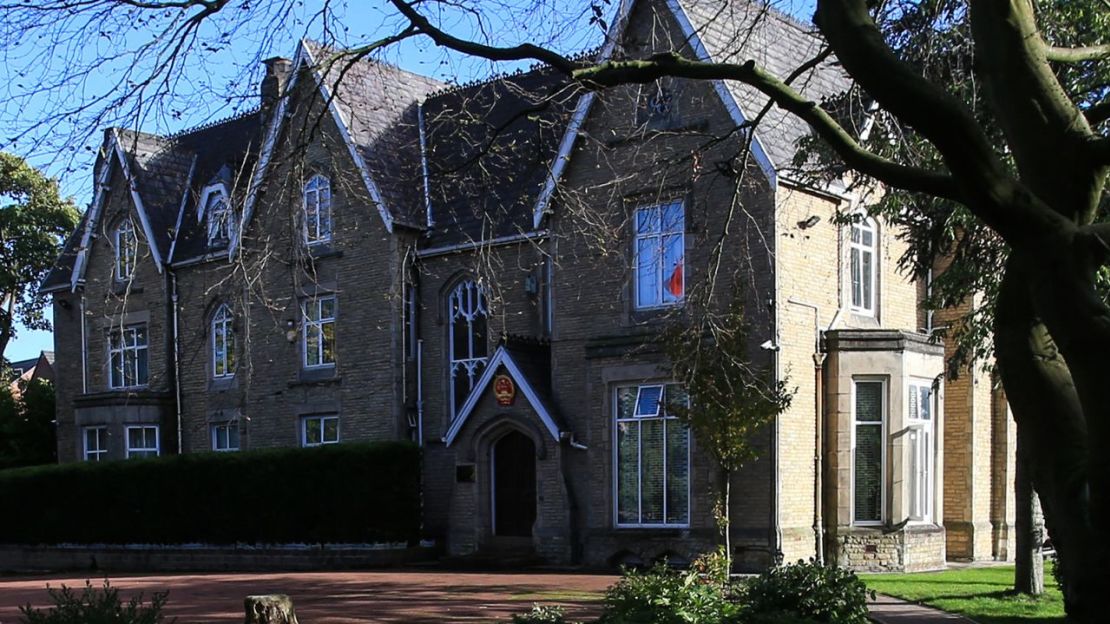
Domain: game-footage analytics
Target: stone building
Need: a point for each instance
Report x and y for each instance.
(486, 269)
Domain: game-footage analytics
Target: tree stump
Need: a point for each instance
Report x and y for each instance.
(271, 609)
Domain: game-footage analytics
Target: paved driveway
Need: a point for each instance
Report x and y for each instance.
(340, 597)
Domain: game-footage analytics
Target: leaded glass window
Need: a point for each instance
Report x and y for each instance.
(467, 341)
(652, 457)
(223, 343)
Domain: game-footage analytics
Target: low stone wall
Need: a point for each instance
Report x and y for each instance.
(204, 558)
(905, 549)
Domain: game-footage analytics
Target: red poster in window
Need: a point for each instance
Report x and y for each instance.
(674, 282)
(504, 390)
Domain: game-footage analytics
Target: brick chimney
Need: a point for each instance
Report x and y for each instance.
(273, 84)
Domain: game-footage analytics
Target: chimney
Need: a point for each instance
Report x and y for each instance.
(273, 84)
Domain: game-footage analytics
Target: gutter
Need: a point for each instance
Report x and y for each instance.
(493, 242)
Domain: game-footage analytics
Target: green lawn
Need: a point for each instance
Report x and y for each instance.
(982, 594)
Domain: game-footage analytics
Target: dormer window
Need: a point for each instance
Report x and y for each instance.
(126, 247)
(317, 210)
(214, 209)
(218, 214)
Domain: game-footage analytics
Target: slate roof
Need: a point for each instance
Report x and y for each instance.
(741, 30)
(489, 146)
(490, 149)
(232, 143)
(378, 103)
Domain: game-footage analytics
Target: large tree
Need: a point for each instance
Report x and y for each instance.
(34, 219)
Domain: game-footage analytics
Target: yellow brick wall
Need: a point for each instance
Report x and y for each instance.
(811, 288)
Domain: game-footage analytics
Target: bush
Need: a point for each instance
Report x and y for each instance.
(96, 606)
(809, 591)
(541, 614)
(352, 493)
(664, 596)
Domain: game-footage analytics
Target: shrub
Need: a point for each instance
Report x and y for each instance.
(809, 591)
(339, 493)
(541, 614)
(96, 606)
(664, 596)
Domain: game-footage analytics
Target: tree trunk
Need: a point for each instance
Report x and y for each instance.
(1028, 561)
(1049, 417)
(727, 515)
(271, 609)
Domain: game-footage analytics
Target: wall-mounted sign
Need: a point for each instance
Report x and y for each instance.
(504, 389)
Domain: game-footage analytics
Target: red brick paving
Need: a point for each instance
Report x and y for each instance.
(339, 597)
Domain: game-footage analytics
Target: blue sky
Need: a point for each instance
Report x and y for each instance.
(220, 79)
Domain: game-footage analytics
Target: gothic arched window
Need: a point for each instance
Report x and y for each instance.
(466, 306)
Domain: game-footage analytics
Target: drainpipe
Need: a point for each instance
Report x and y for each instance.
(176, 358)
(818, 455)
(84, 348)
(420, 392)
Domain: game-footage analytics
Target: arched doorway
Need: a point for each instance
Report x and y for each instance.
(513, 468)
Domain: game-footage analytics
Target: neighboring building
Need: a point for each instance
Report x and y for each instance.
(486, 269)
(24, 372)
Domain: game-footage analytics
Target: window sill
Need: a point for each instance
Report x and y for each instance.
(654, 530)
(223, 384)
(317, 377)
(320, 251)
(124, 288)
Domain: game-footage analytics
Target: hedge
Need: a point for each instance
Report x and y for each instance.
(344, 493)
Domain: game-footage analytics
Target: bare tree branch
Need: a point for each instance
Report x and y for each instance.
(521, 52)
(670, 64)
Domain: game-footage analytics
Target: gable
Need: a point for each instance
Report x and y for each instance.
(503, 362)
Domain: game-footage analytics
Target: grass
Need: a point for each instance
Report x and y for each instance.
(982, 594)
(556, 595)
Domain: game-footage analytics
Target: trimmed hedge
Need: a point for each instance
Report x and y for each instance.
(349, 493)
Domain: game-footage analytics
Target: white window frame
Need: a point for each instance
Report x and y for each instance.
(322, 419)
(864, 225)
(118, 345)
(921, 441)
(667, 418)
(131, 451)
(100, 453)
(882, 424)
(472, 305)
(126, 245)
(659, 298)
(212, 223)
(317, 230)
(226, 427)
(222, 331)
(316, 326)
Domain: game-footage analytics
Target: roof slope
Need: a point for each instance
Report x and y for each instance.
(378, 105)
(740, 30)
(490, 149)
(232, 143)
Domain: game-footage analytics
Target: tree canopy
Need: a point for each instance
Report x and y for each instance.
(34, 220)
